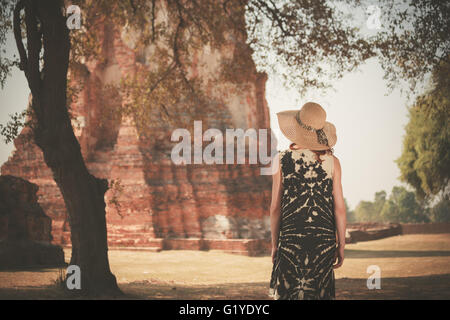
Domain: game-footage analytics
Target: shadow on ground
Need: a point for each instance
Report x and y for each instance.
(358, 254)
(424, 287)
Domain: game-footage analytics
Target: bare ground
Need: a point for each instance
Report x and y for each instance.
(412, 267)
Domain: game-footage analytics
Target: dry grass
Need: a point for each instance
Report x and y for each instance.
(412, 267)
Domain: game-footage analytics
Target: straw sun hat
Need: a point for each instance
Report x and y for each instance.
(308, 127)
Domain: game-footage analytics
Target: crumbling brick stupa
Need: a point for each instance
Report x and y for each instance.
(24, 228)
(161, 205)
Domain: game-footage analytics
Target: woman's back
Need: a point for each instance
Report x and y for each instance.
(307, 239)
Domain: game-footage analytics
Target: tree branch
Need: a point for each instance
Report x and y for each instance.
(176, 55)
(153, 20)
(34, 46)
(18, 36)
(169, 69)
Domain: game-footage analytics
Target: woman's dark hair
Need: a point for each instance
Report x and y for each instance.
(317, 152)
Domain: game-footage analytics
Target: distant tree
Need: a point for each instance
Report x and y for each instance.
(380, 200)
(441, 211)
(350, 213)
(424, 162)
(364, 212)
(368, 211)
(402, 206)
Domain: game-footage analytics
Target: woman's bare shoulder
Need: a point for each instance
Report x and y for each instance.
(337, 164)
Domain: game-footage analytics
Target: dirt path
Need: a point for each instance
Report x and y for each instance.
(412, 267)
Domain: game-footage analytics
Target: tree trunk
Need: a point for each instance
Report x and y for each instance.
(82, 192)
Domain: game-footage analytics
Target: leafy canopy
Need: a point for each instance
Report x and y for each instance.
(424, 162)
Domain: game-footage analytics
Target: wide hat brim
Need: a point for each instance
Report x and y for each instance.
(302, 137)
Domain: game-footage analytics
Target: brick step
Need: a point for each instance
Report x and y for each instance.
(151, 249)
(132, 243)
(135, 240)
(128, 248)
(129, 233)
(141, 241)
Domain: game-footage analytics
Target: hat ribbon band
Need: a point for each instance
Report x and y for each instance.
(321, 136)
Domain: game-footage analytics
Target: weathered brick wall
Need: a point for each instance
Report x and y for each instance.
(21, 217)
(25, 230)
(414, 228)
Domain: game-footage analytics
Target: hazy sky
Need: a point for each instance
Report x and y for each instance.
(13, 98)
(370, 125)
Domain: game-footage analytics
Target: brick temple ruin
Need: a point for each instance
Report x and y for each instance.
(161, 205)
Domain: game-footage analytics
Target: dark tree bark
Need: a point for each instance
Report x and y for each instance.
(52, 130)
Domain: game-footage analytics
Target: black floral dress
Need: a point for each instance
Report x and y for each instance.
(303, 267)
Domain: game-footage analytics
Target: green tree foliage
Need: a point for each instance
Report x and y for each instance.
(424, 162)
(441, 211)
(368, 211)
(311, 40)
(364, 212)
(380, 200)
(414, 39)
(402, 206)
(350, 213)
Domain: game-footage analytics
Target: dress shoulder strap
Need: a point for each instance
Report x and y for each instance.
(328, 164)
